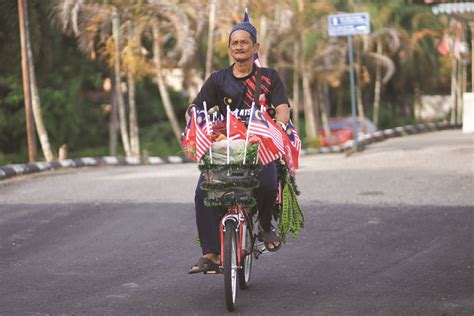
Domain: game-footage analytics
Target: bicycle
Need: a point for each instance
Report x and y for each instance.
(231, 187)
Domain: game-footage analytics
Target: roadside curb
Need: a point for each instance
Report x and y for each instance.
(383, 135)
(23, 169)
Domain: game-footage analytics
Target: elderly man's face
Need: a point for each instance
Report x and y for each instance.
(241, 47)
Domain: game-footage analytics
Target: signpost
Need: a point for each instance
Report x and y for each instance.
(348, 25)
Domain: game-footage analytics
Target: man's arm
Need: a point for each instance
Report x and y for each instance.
(187, 114)
(279, 99)
(207, 93)
(282, 114)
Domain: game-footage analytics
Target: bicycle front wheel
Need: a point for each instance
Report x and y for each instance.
(230, 264)
(246, 258)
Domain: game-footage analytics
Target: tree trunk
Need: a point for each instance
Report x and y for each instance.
(161, 84)
(360, 104)
(265, 40)
(323, 108)
(296, 87)
(134, 135)
(118, 85)
(454, 85)
(113, 118)
(316, 106)
(309, 117)
(378, 85)
(30, 127)
(417, 103)
(460, 91)
(210, 37)
(35, 100)
(340, 96)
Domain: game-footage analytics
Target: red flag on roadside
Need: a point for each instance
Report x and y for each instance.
(443, 45)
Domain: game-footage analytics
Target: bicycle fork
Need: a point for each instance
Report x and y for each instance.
(239, 219)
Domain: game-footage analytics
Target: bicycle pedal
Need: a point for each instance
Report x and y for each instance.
(259, 250)
(246, 252)
(213, 272)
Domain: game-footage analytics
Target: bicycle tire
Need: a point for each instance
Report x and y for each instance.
(246, 260)
(230, 264)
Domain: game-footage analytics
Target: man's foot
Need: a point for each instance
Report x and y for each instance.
(208, 264)
(272, 241)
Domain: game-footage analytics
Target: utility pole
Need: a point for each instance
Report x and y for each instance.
(22, 11)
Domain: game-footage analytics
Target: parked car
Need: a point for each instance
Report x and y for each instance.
(341, 130)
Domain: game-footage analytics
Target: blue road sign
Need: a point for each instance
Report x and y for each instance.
(349, 24)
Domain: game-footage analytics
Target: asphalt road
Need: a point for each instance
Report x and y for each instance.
(389, 231)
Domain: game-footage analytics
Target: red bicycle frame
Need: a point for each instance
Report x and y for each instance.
(237, 214)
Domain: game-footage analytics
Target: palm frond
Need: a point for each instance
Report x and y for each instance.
(185, 44)
(385, 62)
(417, 36)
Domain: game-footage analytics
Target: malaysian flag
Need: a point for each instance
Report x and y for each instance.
(261, 124)
(255, 56)
(202, 122)
(288, 157)
(295, 143)
(203, 140)
(188, 138)
(267, 152)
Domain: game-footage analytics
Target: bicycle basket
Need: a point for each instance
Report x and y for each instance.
(236, 150)
(233, 183)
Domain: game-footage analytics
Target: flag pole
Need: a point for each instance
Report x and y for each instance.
(247, 136)
(195, 120)
(228, 133)
(207, 127)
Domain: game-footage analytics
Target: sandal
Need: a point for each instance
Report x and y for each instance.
(205, 265)
(269, 239)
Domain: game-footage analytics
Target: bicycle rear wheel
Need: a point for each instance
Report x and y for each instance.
(230, 264)
(246, 259)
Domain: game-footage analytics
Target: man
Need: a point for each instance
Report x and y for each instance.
(237, 87)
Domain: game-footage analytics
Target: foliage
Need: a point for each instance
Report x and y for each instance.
(76, 108)
(291, 217)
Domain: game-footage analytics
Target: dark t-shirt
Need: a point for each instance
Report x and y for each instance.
(223, 88)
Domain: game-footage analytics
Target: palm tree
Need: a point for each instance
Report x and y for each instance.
(169, 19)
(381, 45)
(308, 42)
(30, 133)
(135, 65)
(420, 68)
(116, 35)
(35, 100)
(106, 22)
(194, 70)
(210, 36)
(96, 23)
(328, 66)
(274, 19)
(389, 38)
